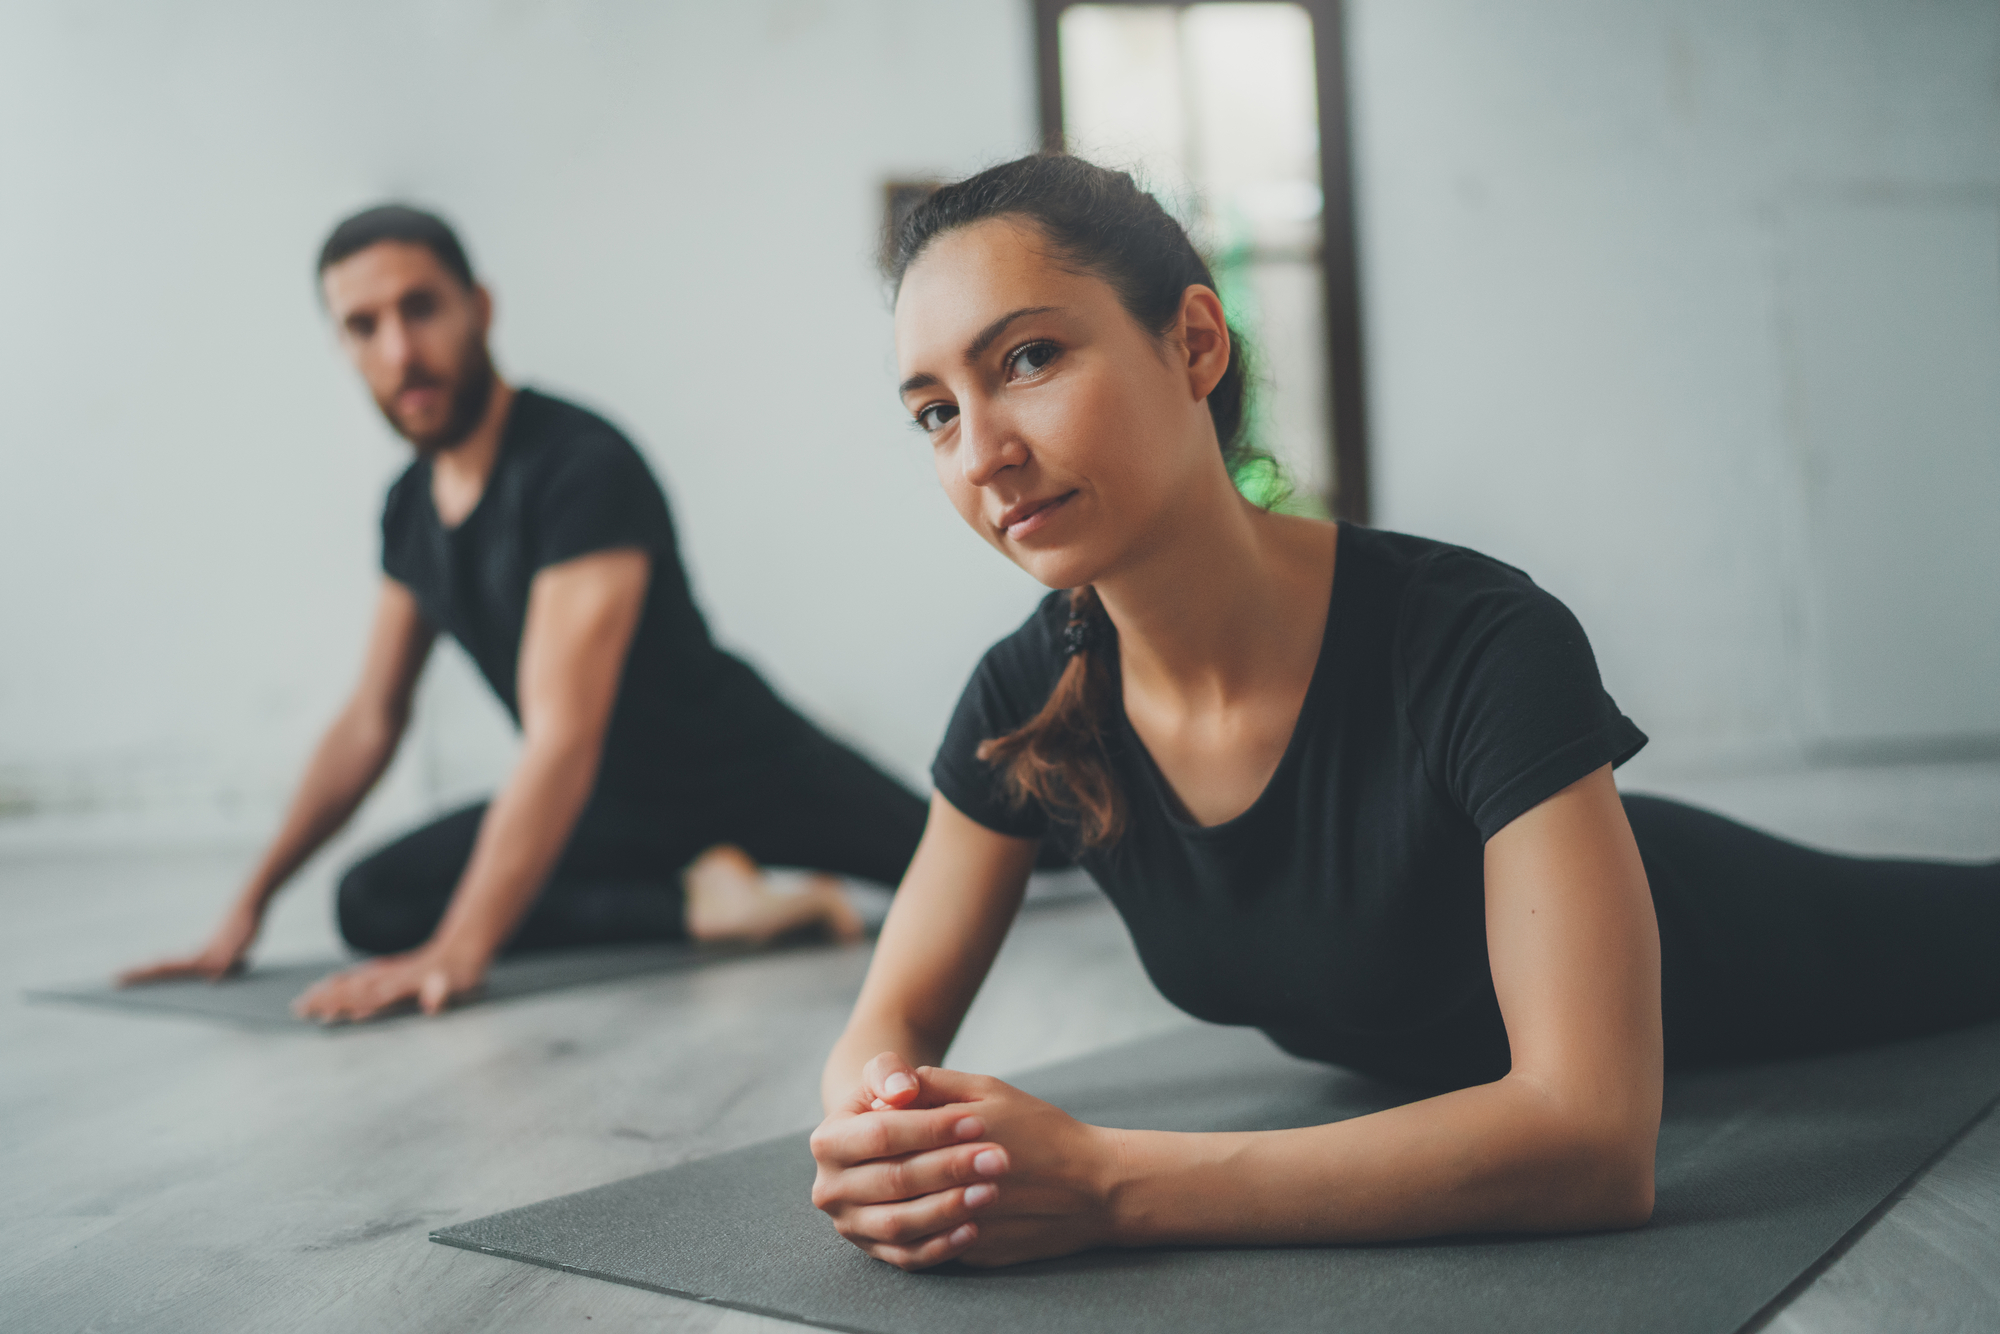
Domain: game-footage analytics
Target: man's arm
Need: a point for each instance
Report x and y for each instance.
(351, 756)
(581, 617)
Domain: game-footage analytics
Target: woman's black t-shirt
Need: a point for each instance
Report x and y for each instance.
(1344, 912)
(689, 718)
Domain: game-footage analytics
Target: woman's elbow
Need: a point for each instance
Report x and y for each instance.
(1614, 1178)
(1595, 1163)
(1626, 1198)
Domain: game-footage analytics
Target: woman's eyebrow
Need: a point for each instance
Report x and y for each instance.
(976, 348)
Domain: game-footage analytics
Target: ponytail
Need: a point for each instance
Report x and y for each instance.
(1058, 759)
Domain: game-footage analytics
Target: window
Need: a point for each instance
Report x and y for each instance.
(1233, 114)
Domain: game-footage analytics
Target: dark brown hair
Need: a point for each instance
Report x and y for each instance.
(1099, 222)
(397, 222)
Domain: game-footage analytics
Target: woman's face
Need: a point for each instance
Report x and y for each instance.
(1064, 433)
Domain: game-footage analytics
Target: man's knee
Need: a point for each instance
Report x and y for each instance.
(367, 910)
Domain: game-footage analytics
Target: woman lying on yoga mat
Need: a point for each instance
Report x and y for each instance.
(1349, 787)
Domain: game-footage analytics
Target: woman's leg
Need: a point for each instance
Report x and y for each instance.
(1769, 948)
(391, 900)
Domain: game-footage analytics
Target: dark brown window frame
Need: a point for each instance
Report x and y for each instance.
(1340, 258)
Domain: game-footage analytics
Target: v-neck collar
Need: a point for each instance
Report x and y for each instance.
(1317, 689)
(508, 431)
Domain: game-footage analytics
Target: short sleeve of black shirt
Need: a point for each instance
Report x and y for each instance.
(1500, 688)
(1009, 687)
(597, 496)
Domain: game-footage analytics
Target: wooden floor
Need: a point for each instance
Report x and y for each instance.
(163, 1174)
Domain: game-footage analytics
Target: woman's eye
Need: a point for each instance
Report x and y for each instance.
(1032, 359)
(932, 419)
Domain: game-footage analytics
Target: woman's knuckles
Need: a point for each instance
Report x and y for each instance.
(903, 1229)
(842, 1140)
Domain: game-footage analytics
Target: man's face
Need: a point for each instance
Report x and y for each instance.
(417, 336)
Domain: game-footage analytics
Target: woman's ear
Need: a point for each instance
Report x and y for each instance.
(1203, 333)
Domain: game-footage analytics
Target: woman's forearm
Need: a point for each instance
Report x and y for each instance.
(1500, 1157)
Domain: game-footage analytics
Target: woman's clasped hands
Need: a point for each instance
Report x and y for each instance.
(925, 1165)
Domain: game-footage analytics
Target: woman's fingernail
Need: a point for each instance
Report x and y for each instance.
(989, 1162)
(981, 1195)
(968, 1127)
(963, 1234)
(899, 1083)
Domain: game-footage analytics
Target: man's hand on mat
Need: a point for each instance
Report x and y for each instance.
(430, 976)
(220, 957)
(928, 1165)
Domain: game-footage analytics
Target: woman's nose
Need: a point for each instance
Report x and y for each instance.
(988, 446)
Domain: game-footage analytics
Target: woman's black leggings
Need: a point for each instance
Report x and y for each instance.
(1771, 949)
(819, 805)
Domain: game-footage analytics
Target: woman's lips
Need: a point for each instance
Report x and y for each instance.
(1030, 516)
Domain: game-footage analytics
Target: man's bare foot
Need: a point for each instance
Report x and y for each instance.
(843, 924)
(730, 898)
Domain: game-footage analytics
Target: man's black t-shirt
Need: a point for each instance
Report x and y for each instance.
(1344, 912)
(689, 718)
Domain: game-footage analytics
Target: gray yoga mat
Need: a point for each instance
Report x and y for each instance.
(1762, 1171)
(262, 997)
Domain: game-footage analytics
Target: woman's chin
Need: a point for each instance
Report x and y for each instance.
(1057, 567)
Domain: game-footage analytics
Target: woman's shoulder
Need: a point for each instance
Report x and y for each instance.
(1494, 678)
(1426, 567)
(1430, 597)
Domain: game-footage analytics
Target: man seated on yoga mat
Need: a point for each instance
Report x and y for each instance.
(656, 770)
(1348, 787)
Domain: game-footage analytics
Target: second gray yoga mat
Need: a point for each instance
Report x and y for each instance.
(262, 997)
(1761, 1171)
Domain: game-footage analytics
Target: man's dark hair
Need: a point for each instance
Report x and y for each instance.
(397, 222)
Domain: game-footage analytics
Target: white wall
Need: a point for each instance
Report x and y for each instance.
(676, 206)
(1578, 220)
(1598, 335)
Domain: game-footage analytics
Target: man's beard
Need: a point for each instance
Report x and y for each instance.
(469, 399)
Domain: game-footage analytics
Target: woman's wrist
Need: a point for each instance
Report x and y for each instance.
(1122, 1185)
(1166, 1188)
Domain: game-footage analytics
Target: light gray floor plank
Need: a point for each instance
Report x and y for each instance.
(163, 1174)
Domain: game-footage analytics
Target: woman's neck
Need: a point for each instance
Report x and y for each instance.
(1229, 601)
